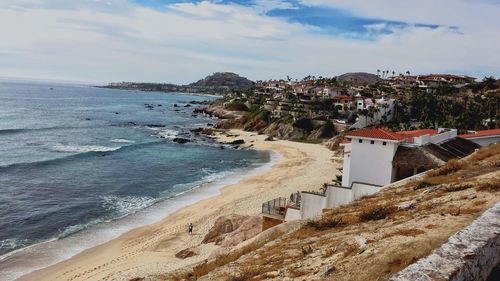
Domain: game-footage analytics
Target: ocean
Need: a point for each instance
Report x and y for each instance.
(80, 165)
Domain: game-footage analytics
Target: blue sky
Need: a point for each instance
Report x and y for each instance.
(180, 41)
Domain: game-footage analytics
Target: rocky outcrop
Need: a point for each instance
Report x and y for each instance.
(249, 228)
(470, 254)
(284, 131)
(187, 253)
(229, 231)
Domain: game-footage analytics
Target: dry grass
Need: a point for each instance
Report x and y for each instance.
(404, 232)
(325, 223)
(297, 272)
(350, 250)
(451, 166)
(376, 213)
(492, 186)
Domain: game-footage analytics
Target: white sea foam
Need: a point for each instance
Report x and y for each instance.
(12, 243)
(168, 134)
(125, 205)
(83, 148)
(122, 141)
(13, 265)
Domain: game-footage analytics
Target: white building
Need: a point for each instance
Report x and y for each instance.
(483, 138)
(377, 157)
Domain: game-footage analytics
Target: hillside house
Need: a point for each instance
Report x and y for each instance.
(377, 157)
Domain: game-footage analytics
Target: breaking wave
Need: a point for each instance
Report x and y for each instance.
(83, 148)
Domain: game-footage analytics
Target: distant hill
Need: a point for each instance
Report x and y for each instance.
(224, 80)
(362, 78)
(218, 83)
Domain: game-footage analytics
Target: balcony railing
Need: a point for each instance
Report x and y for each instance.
(275, 207)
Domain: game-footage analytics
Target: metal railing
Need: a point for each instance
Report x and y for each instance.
(275, 207)
(295, 199)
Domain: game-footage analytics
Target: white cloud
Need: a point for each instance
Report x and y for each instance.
(188, 41)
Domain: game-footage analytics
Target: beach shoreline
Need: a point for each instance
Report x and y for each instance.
(150, 249)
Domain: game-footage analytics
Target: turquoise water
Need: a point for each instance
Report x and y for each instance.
(73, 157)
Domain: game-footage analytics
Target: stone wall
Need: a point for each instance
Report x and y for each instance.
(470, 254)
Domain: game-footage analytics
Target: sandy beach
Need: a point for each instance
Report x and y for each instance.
(150, 249)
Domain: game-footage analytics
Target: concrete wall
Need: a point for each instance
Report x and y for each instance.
(292, 214)
(337, 196)
(470, 254)
(311, 205)
(371, 163)
(360, 189)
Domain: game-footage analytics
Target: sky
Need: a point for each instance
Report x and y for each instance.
(181, 41)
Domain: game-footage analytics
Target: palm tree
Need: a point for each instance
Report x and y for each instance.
(378, 72)
(393, 73)
(408, 72)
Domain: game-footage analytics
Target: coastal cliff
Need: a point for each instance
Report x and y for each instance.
(304, 130)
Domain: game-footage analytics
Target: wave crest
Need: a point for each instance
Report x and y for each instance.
(83, 148)
(126, 204)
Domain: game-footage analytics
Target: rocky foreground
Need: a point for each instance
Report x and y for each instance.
(372, 238)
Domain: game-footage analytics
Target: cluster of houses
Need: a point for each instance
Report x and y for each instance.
(307, 99)
(348, 108)
(429, 82)
(376, 157)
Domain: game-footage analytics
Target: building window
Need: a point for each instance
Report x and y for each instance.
(360, 141)
(372, 142)
(384, 143)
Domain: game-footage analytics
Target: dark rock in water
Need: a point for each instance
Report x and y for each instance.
(210, 124)
(159, 105)
(187, 105)
(175, 105)
(132, 123)
(236, 147)
(117, 113)
(177, 110)
(222, 147)
(237, 142)
(197, 130)
(155, 125)
(181, 140)
(269, 138)
(88, 119)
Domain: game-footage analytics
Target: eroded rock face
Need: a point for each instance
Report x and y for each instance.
(223, 225)
(229, 231)
(186, 253)
(249, 228)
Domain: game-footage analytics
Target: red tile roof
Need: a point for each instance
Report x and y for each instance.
(418, 133)
(409, 135)
(483, 133)
(376, 133)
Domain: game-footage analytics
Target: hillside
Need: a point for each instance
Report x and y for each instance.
(226, 80)
(218, 83)
(359, 78)
(372, 238)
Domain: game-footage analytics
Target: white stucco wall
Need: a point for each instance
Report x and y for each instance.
(292, 214)
(371, 163)
(337, 196)
(311, 205)
(359, 190)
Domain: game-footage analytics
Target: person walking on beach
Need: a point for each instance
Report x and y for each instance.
(190, 228)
